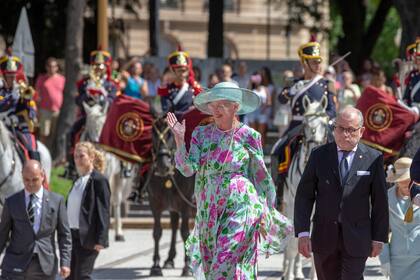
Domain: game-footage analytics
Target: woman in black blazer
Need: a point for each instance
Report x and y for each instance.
(88, 207)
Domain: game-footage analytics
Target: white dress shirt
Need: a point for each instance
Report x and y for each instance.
(349, 158)
(38, 207)
(74, 201)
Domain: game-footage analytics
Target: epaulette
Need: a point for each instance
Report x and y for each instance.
(163, 91)
(80, 82)
(410, 76)
(196, 88)
(32, 104)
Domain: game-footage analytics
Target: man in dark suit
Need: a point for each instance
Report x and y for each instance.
(415, 176)
(346, 181)
(29, 221)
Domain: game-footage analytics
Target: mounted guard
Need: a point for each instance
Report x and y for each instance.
(315, 87)
(178, 96)
(17, 105)
(412, 81)
(97, 88)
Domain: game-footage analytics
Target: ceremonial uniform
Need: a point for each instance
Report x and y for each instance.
(178, 98)
(315, 89)
(412, 81)
(97, 88)
(320, 88)
(412, 91)
(17, 107)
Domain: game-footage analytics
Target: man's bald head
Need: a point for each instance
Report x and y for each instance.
(32, 164)
(348, 128)
(349, 114)
(33, 175)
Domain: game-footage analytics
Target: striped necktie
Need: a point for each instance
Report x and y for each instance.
(31, 208)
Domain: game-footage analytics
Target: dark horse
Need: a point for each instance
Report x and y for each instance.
(168, 190)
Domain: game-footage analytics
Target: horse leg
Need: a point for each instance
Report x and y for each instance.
(169, 263)
(185, 232)
(156, 270)
(118, 184)
(312, 272)
(289, 262)
(298, 267)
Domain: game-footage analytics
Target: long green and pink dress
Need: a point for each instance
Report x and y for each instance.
(234, 193)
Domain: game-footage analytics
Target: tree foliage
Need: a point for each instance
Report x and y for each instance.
(47, 21)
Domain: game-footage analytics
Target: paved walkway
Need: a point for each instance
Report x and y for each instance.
(132, 259)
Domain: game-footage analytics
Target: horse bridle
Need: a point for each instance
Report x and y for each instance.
(319, 114)
(166, 150)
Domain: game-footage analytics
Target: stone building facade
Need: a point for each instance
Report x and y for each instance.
(253, 29)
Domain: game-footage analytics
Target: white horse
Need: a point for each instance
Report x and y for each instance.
(315, 125)
(11, 165)
(119, 184)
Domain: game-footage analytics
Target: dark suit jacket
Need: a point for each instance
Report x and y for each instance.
(360, 205)
(94, 213)
(24, 242)
(415, 167)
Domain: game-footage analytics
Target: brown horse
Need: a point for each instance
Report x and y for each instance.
(168, 190)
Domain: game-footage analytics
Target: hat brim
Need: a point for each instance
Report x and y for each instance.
(395, 179)
(248, 100)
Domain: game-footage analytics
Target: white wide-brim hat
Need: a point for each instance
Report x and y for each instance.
(248, 100)
(400, 171)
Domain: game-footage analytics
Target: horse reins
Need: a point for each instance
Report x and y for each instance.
(171, 153)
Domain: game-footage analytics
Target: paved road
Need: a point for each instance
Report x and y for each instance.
(132, 260)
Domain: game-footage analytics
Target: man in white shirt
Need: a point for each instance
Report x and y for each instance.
(30, 220)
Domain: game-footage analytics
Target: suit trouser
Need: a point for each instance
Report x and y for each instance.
(339, 265)
(33, 272)
(82, 259)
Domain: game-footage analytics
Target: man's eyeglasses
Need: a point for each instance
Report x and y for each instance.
(349, 130)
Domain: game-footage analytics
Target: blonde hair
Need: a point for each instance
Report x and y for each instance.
(97, 156)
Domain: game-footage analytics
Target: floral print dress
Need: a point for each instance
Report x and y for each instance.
(235, 197)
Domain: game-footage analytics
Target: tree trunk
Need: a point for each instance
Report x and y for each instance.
(409, 11)
(353, 14)
(73, 61)
(375, 29)
(358, 39)
(154, 27)
(215, 27)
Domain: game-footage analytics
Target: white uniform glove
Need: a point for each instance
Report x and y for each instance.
(386, 269)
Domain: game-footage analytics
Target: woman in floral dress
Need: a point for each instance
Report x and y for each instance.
(236, 216)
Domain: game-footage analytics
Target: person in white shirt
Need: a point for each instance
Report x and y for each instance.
(88, 207)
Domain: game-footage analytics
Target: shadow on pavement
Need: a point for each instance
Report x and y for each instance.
(127, 273)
